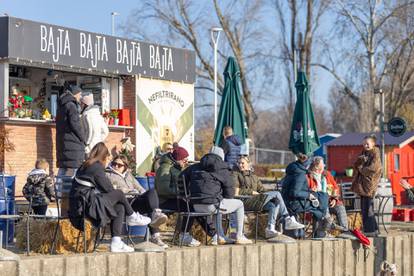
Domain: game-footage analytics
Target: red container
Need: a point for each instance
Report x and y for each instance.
(124, 117)
(401, 214)
(412, 215)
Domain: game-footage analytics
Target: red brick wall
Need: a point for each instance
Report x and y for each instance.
(129, 102)
(33, 141)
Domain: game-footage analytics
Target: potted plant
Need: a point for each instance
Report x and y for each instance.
(115, 114)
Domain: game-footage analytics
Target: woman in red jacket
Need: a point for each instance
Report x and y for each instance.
(321, 180)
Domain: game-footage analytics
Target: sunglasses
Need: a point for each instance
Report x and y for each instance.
(115, 164)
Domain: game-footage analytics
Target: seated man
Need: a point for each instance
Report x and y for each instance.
(321, 180)
(247, 183)
(142, 201)
(166, 179)
(212, 186)
(299, 197)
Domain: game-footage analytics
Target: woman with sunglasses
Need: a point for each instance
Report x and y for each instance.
(142, 201)
(103, 204)
(248, 184)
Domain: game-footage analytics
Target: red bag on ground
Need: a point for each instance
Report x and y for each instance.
(361, 237)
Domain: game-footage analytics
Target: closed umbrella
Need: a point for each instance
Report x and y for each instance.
(303, 134)
(231, 108)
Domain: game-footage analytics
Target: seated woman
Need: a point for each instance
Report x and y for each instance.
(142, 201)
(321, 180)
(103, 204)
(300, 198)
(247, 183)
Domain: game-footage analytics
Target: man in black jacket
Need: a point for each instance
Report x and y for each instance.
(70, 137)
(211, 186)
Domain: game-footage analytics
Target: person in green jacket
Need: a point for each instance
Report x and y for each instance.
(166, 179)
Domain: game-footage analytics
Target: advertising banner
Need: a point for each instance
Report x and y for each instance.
(165, 113)
(41, 43)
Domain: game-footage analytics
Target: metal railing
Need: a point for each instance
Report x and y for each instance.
(271, 156)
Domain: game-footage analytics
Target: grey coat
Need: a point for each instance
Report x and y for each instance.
(125, 182)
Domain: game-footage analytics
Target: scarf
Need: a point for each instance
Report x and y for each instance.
(321, 181)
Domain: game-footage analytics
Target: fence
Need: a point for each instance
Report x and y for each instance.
(271, 156)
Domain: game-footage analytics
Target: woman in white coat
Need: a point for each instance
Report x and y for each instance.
(96, 130)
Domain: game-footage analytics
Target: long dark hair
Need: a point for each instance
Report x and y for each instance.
(99, 153)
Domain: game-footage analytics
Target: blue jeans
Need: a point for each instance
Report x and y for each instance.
(275, 206)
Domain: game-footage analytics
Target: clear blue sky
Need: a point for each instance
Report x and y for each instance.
(95, 16)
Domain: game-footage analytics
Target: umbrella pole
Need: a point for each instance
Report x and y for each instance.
(215, 34)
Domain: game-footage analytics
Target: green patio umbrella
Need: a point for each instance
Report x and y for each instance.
(231, 108)
(303, 134)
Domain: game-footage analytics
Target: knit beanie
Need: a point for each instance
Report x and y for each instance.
(87, 99)
(74, 89)
(217, 151)
(179, 153)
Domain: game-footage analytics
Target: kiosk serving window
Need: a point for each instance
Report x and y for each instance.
(34, 92)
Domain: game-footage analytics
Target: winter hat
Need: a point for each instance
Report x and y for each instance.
(87, 99)
(217, 151)
(179, 153)
(74, 89)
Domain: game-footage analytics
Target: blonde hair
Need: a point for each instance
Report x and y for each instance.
(227, 131)
(165, 145)
(315, 163)
(41, 164)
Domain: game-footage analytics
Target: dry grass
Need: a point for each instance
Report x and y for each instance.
(41, 235)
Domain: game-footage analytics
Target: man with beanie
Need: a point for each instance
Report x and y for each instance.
(92, 122)
(213, 190)
(70, 138)
(166, 179)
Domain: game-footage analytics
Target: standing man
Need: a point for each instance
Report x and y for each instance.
(70, 137)
(231, 146)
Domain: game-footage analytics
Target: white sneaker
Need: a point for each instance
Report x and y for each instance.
(220, 240)
(136, 219)
(118, 247)
(158, 218)
(156, 238)
(188, 240)
(243, 240)
(292, 224)
(271, 233)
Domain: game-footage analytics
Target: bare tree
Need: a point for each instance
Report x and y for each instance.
(189, 23)
(288, 15)
(368, 48)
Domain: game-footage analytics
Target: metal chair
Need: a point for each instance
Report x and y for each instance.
(352, 201)
(183, 196)
(256, 214)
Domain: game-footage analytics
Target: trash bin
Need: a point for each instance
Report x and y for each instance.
(9, 186)
(5, 224)
(7, 206)
(147, 182)
(385, 189)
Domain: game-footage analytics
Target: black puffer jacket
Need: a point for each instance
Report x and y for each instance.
(211, 180)
(70, 137)
(99, 210)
